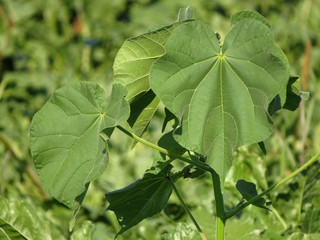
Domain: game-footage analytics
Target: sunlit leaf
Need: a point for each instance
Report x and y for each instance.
(19, 220)
(220, 93)
(135, 57)
(66, 146)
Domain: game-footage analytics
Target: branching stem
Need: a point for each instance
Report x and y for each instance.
(201, 165)
(186, 208)
(215, 179)
(252, 200)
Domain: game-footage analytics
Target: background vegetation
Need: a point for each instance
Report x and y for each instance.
(47, 44)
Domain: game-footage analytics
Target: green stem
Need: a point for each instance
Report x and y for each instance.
(186, 208)
(252, 200)
(201, 165)
(215, 179)
(219, 206)
(276, 213)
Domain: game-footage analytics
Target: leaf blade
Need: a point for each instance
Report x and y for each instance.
(141, 199)
(219, 95)
(65, 144)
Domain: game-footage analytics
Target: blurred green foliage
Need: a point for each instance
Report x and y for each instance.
(47, 44)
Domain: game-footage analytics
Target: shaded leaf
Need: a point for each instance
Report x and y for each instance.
(141, 199)
(65, 142)
(142, 110)
(219, 94)
(292, 98)
(168, 117)
(19, 220)
(248, 190)
(262, 147)
(167, 142)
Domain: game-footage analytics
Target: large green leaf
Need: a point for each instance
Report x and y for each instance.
(141, 199)
(65, 142)
(220, 93)
(20, 220)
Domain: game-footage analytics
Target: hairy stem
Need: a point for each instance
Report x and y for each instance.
(186, 208)
(252, 200)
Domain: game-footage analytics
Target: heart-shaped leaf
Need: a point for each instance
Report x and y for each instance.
(220, 93)
(65, 142)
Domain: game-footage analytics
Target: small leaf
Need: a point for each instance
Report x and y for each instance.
(20, 220)
(248, 190)
(65, 142)
(185, 14)
(141, 199)
(305, 95)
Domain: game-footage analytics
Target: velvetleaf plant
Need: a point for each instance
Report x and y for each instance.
(220, 95)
